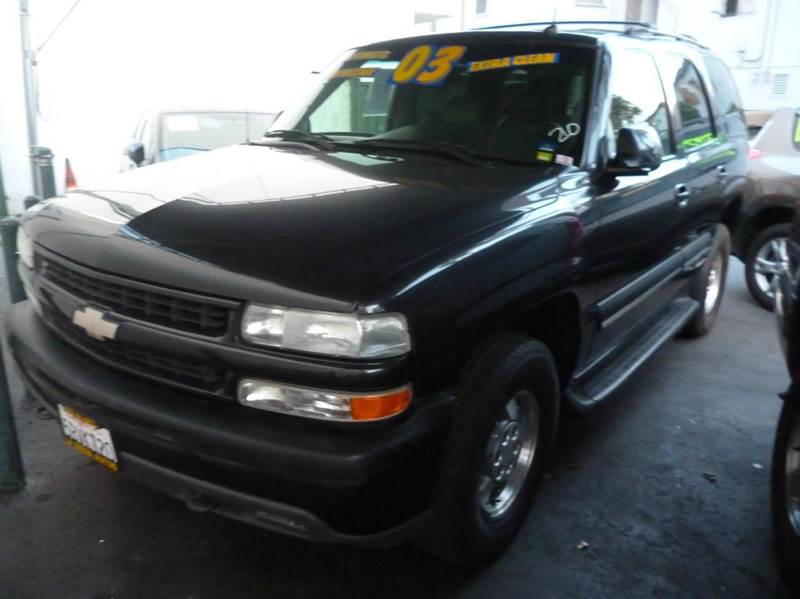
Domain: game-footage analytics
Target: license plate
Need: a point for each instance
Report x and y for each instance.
(83, 434)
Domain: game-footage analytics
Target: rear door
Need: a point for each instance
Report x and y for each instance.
(639, 213)
(705, 149)
(731, 129)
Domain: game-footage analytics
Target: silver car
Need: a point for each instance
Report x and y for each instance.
(169, 134)
(763, 224)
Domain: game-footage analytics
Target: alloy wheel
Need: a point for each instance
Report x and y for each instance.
(771, 259)
(509, 454)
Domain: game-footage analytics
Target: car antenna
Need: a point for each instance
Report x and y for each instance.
(552, 28)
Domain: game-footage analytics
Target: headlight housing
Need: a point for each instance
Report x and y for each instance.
(25, 247)
(323, 404)
(330, 333)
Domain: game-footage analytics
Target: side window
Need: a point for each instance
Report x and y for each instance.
(694, 115)
(637, 96)
(727, 103)
(726, 96)
(147, 139)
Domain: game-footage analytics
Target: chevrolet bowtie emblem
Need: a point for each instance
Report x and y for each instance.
(94, 323)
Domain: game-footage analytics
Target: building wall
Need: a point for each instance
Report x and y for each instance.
(509, 11)
(465, 14)
(110, 61)
(760, 44)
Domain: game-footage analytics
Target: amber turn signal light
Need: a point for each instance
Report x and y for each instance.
(375, 407)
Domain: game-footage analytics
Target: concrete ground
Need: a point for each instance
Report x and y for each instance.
(667, 484)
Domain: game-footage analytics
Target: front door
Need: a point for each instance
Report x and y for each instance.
(634, 273)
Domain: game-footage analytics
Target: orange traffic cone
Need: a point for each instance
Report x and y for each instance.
(69, 177)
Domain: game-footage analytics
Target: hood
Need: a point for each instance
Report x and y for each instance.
(320, 230)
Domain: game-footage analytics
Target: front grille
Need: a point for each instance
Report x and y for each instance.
(149, 362)
(155, 306)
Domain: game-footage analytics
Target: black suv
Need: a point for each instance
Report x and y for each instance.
(367, 324)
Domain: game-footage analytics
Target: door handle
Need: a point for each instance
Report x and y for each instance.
(682, 194)
(722, 173)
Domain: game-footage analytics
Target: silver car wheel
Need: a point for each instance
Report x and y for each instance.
(713, 284)
(509, 454)
(771, 259)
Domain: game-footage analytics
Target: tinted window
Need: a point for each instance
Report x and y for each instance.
(726, 96)
(637, 97)
(520, 102)
(694, 118)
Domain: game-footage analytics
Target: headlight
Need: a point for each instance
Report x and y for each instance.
(25, 247)
(25, 253)
(323, 404)
(334, 334)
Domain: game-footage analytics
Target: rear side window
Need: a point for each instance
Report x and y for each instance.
(694, 115)
(637, 96)
(726, 96)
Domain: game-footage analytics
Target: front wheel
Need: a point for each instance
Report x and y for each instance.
(786, 492)
(766, 257)
(504, 426)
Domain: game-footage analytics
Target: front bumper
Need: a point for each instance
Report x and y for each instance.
(363, 483)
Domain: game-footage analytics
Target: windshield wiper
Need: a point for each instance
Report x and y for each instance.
(296, 135)
(454, 151)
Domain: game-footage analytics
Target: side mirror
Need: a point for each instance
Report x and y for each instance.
(135, 151)
(639, 151)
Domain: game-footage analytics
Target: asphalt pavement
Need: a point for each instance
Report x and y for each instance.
(664, 490)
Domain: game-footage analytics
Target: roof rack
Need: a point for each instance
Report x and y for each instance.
(548, 23)
(628, 28)
(676, 36)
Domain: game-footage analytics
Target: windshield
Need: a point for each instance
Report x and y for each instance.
(187, 132)
(518, 102)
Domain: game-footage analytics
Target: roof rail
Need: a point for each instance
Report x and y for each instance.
(547, 23)
(630, 28)
(676, 36)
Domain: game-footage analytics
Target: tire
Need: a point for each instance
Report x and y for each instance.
(756, 279)
(786, 533)
(716, 267)
(511, 370)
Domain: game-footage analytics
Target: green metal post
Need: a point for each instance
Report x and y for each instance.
(3, 197)
(8, 235)
(12, 474)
